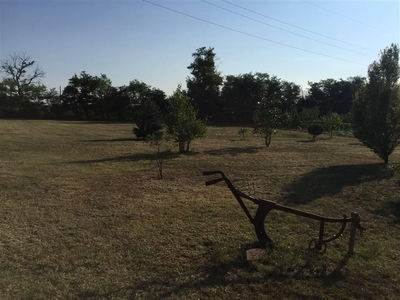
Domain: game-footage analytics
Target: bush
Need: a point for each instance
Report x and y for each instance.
(149, 119)
(314, 130)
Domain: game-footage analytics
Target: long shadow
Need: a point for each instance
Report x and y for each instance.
(115, 140)
(390, 210)
(331, 180)
(234, 151)
(94, 122)
(217, 276)
(131, 158)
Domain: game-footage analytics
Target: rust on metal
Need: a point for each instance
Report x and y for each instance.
(265, 206)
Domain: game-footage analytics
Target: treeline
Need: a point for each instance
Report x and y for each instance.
(219, 100)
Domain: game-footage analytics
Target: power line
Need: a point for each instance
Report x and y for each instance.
(249, 34)
(343, 16)
(298, 27)
(303, 36)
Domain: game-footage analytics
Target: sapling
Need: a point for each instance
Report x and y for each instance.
(162, 146)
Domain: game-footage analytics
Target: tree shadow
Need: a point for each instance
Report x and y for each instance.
(94, 122)
(216, 274)
(115, 140)
(125, 158)
(356, 144)
(390, 210)
(330, 181)
(307, 141)
(234, 151)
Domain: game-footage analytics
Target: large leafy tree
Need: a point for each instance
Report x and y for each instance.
(204, 85)
(181, 121)
(88, 97)
(376, 107)
(332, 95)
(240, 95)
(79, 95)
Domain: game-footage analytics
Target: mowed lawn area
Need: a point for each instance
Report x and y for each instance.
(83, 216)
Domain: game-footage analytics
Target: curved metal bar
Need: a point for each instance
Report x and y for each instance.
(258, 222)
(321, 247)
(337, 235)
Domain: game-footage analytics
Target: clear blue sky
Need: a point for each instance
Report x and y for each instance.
(129, 40)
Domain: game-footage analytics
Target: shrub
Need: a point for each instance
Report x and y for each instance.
(314, 130)
(241, 132)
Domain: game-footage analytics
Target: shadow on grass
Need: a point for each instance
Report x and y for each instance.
(115, 140)
(258, 272)
(130, 158)
(95, 122)
(331, 180)
(390, 210)
(234, 151)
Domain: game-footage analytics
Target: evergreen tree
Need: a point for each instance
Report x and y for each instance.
(204, 86)
(376, 107)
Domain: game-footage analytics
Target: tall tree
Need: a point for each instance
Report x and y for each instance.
(204, 85)
(376, 108)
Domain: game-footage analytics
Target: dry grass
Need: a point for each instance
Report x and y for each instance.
(82, 216)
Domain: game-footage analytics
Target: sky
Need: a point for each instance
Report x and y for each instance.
(153, 40)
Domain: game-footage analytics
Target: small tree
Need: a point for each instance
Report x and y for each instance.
(181, 121)
(162, 147)
(332, 122)
(314, 130)
(149, 119)
(267, 116)
(376, 108)
(242, 132)
(308, 116)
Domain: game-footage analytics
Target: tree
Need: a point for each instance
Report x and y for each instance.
(149, 119)
(332, 122)
(376, 107)
(267, 116)
(291, 118)
(308, 116)
(240, 95)
(23, 71)
(314, 130)
(204, 86)
(181, 121)
(79, 96)
(161, 144)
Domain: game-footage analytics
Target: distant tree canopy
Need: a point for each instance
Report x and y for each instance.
(230, 100)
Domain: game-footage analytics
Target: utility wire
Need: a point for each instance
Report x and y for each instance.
(343, 16)
(303, 36)
(249, 34)
(298, 27)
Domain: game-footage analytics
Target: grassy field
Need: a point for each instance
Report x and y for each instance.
(83, 216)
